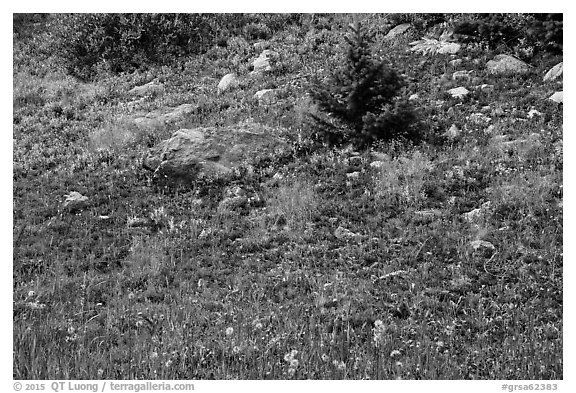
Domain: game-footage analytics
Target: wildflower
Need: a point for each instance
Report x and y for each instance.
(379, 331)
(291, 371)
(139, 323)
(31, 294)
(236, 350)
(340, 365)
(131, 296)
(71, 330)
(399, 364)
(325, 357)
(394, 353)
(168, 363)
(100, 373)
(290, 356)
(258, 326)
(229, 331)
(153, 355)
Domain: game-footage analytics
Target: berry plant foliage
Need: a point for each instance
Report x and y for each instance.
(363, 97)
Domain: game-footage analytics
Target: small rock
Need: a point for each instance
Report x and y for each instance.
(345, 234)
(148, 89)
(479, 118)
(355, 160)
(75, 201)
(487, 88)
(396, 31)
(427, 216)
(477, 214)
(229, 81)
(555, 72)
(262, 62)
(557, 97)
(480, 245)
(534, 112)
(455, 62)
(376, 164)
(262, 45)
(453, 132)
(413, 97)
(449, 48)
(353, 175)
(266, 96)
(502, 64)
(458, 92)
(461, 75)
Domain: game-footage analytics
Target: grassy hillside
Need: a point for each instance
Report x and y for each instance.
(350, 269)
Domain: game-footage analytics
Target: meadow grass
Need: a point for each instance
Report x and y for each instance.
(270, 292)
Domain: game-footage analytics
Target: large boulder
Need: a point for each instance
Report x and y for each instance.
(502, 64)
(262, 62)
(214, 152)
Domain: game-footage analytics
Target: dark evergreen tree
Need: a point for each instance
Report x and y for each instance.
(362, 96)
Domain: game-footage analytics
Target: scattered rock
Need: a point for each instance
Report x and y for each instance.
(162, 116)
(461, 75)
(555, 72)
(455, 62)
(75, 202)
(353, 175)
(150, 88)
(479, 118)
(234, 198)
(209, 151)
(458, 92)
(557, 97)
(427, 216)
(262, 62)
(266, 96)
(449, 48)
(453, 132)
(479, 213)
(482, 245)
(502, 64)
(228, 81)
(261, 45)
(533, 112)
(487, 88)
(345, 234)
(396, 31)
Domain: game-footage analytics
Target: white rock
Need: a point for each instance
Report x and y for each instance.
(479, 118)
(413, 97)
(455, 62)
(482, 245)
(150, 88)
(453, 132)
(459, 92)
(461, 75)
(400, 29)
(345, 234)
(533, 112)
(554, 72)
(557, 97)
(376, 164)
(449, 48)
(229, 81)
(501, 64)
(266, 96)
(262, 62)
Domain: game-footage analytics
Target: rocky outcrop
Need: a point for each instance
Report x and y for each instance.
(211, 152)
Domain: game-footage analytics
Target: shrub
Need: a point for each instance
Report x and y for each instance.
(544, 31)
(362, 96)
(125, 42)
